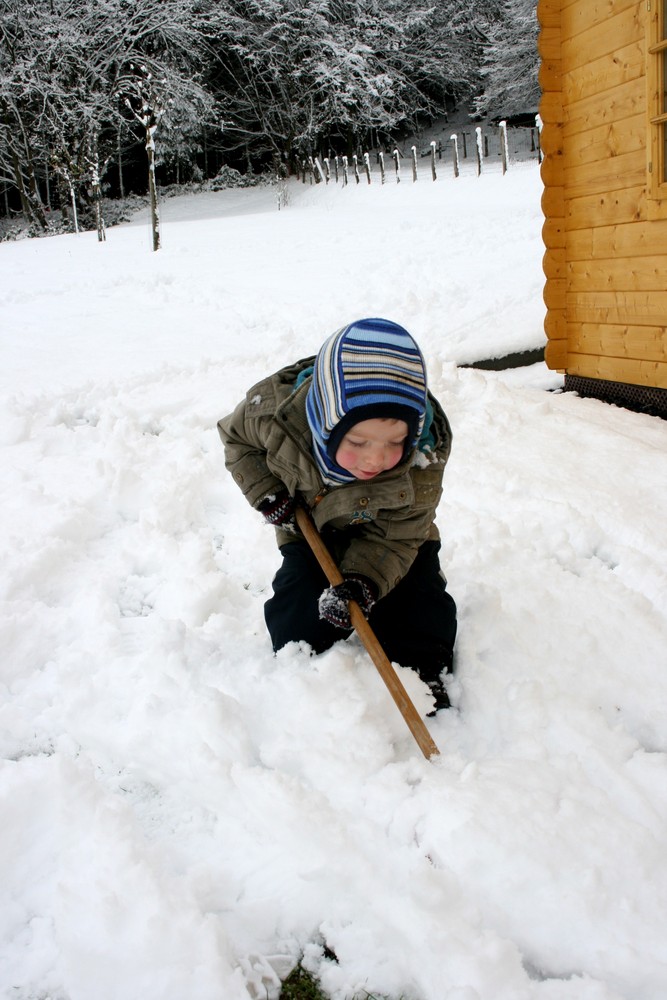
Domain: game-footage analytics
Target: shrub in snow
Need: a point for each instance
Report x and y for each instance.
(228, 177)
(18, 231)
(117, 210)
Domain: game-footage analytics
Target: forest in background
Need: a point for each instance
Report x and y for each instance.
(98, 96)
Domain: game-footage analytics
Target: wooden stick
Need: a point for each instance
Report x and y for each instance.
(414, 721)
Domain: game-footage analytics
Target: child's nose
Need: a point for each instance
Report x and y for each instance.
(374, 459)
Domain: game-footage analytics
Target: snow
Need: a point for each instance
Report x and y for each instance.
(186, 815)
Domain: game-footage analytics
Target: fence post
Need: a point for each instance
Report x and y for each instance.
(478, 147)
(283, 197)
(503, 145)
(456, 154)
(398, 169)
(367, 165)
(344, 171)
(414, 163)
(318, 165)
(538, 124)
(356, 168)
(327, 169)
(336, 167)
(381, 162)
(433, 172)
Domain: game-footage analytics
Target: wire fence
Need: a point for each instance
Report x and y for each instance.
(467, 150)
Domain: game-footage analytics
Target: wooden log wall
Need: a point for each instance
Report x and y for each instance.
(606, 251)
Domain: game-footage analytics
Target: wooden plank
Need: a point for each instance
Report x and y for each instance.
(595, 10)
(625, 101)
(609, 71)
(555, 324)
(613, 208)
(624, 308)
(610, 139)
(553, 233)
(657, 210)
(548, 43)
(553, 203)
(627, 170)
(555, 355)
(554, 293)
(552, 171)
(610, 19)
(638, 274)
(632, 371)
(548, 13)
(551, 108)
(646, 343)
(635, 239)
(554, 263)
(551, 140)
(549, 75)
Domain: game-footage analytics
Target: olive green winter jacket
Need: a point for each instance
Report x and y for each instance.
(373, 527)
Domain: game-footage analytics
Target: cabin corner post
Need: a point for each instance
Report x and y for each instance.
(553, 197)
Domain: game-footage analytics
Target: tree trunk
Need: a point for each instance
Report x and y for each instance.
(31, 204)
(121, 187)
(20, 186)
(47, 181)
(97, 198)
(63, 194)
(38, 210)
(152, 187)
(72, 197)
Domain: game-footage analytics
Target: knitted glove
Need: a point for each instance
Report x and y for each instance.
(333, 606)
(278, 509)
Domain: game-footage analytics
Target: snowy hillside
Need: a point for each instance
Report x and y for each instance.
(186, 815)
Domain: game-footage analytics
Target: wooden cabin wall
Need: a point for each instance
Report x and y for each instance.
(606, 258)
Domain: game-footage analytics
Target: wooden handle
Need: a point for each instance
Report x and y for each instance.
(414, 721)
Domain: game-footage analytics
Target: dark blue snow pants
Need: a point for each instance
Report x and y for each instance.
(415, 623)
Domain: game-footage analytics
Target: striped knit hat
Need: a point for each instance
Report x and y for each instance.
(371, 368)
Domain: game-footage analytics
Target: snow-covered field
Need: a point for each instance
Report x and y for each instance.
(184, 815)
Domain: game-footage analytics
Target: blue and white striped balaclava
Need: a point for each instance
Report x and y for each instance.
(371, 368)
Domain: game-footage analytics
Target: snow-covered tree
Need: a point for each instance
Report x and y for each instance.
(24, 96)
(295, 74)
(69, 82)
(509, 71)
(294, 77)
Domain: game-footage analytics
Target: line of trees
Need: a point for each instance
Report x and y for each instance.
(84, 84)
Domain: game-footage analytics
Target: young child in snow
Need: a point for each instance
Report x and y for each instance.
(355, 436)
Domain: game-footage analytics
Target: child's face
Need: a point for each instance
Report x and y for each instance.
(372, 447)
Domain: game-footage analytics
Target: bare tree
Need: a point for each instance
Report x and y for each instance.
(73, 72)
(23, 102)
(294, 74)
(509, 70)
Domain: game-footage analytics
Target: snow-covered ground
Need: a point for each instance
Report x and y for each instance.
(184, 815)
